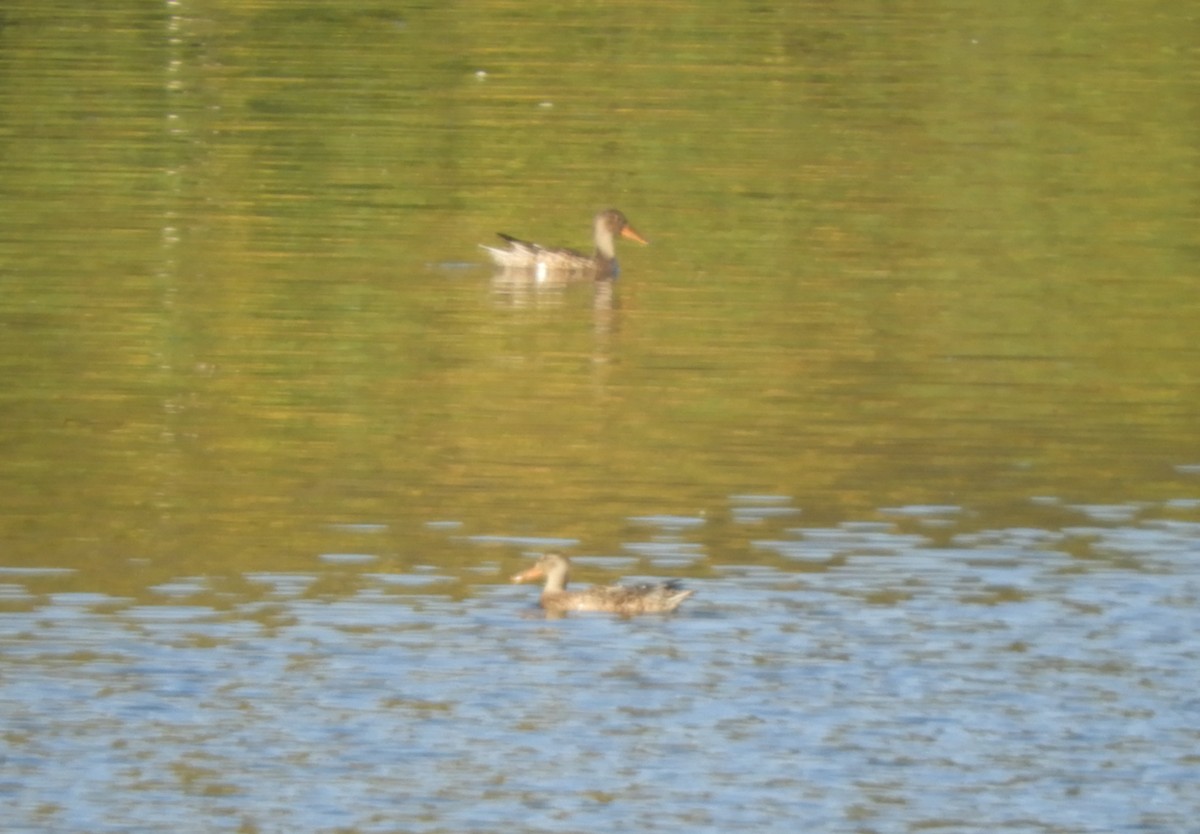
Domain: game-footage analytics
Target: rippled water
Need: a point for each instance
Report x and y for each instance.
(905, 386)
(881, 676)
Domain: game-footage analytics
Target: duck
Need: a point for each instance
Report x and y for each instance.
(544, 261)
(626, 600)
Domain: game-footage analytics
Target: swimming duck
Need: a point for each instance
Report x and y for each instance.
(627, 600)
(544, 260)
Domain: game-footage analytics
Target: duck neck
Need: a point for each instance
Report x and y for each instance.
(605, 251)
(556, 580)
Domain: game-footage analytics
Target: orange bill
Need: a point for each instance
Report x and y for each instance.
(534, 572)
(632, 234)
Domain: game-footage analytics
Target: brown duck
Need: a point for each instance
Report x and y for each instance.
(627, 600)
(543, 261)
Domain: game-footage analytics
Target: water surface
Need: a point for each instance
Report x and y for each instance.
(905, 386)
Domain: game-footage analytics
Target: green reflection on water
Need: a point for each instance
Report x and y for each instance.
(938, 256)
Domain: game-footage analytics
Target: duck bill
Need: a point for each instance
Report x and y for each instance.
(527, 575)
(632, 234)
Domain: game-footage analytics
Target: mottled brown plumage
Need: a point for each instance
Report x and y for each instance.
(627, 600)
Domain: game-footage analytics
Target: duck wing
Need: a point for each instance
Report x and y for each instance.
(628, 600)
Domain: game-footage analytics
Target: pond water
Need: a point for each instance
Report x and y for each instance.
(906, 386)
(874, 676)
